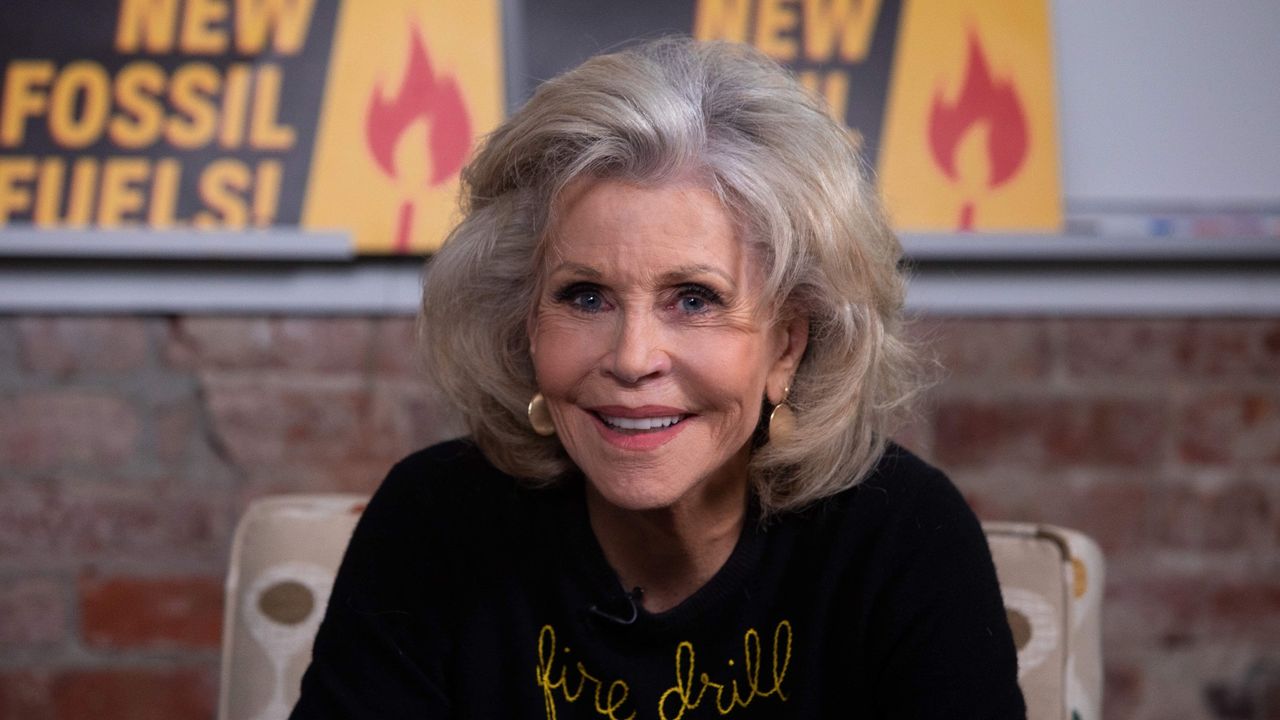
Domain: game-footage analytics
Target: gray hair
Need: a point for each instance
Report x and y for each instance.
(790, 175)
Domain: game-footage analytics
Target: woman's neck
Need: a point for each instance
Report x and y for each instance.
(669, 552)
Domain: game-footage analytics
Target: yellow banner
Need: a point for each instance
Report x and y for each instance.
(233, 114)
(358, 116)
(970, 139)
(952, 99)
(412, 88)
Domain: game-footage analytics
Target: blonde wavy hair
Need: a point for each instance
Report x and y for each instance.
(789, 174)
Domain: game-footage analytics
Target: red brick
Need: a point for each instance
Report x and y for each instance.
(983, 349)
(917, 435)
(1247, 610)
(317, 344)
(325, 344)
(136, 694)
(1270, 341)
(1232, 348)
(1190, 609)
(1189, 682)
(10, 348)
(70, 345)
(32, 613)
(176, 426)
(1133, 349)
(286, 421)
(1157, 350)
(1050, 432)
(45, 518)
(1215, 517)
(354, 476)
(196, 342)
(26, 694)
(976, 433)
(1112, 510)
(1230, 428)
(1122, 689)
(1109, 431)
(395, 348)
(128, 612)
(274, 422)
(45, 429)
(1160, 612)
(411, 416)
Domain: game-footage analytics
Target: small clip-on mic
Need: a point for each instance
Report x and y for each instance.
(632, 599)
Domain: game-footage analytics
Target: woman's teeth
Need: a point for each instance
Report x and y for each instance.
(651, 423)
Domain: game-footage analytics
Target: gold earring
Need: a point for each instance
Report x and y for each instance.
(540, 416)
(782, 421)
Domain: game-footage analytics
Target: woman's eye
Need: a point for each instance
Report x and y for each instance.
(692, 303)
(581, 297)
(697, 299)
(589, 301)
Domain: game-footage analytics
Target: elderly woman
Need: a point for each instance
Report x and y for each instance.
(670, 319)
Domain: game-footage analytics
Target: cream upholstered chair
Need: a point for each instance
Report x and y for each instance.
(287, 549)
(1051, 579)
(284, 556)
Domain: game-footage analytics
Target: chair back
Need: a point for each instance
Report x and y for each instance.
(287, 550)
(1051, 579)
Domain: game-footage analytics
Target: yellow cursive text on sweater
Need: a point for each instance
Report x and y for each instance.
(730, 696)
(561, 680)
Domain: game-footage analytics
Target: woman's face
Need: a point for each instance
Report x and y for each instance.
(651, 345)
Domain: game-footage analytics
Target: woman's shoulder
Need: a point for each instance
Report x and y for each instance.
(451, 469)
(442, 488)
(451, 456)
(902, 497)
(902, 481)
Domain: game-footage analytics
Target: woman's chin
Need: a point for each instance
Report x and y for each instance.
(634, 495)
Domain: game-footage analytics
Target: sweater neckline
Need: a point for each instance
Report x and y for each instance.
(727, 582)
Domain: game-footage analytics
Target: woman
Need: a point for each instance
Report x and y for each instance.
(670, 318)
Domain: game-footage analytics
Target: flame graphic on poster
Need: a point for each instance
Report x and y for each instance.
(982, 101)
(435, 101)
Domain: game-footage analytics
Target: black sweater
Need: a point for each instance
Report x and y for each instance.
(465, 595)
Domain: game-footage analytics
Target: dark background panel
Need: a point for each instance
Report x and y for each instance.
(547, 37)
(68, 30)
(555, 35)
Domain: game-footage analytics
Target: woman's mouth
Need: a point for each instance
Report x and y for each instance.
(642, 428)
(639, 424)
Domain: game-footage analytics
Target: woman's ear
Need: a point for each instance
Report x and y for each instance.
(794, 339)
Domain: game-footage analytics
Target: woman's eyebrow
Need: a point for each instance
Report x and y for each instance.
(685, 272)
(576, 269)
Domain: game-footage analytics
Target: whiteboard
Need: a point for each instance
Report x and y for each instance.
(1169, 101)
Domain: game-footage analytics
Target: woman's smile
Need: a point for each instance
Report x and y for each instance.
(648, 417)
(641, 428)
(640, 424)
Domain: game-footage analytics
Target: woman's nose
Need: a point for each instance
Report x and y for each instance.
(639, 350)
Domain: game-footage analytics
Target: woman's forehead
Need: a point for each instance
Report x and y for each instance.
(615, 223)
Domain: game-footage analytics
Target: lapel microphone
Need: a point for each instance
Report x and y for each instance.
(630, 611)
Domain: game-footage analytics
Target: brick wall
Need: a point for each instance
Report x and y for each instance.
(128, 446)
